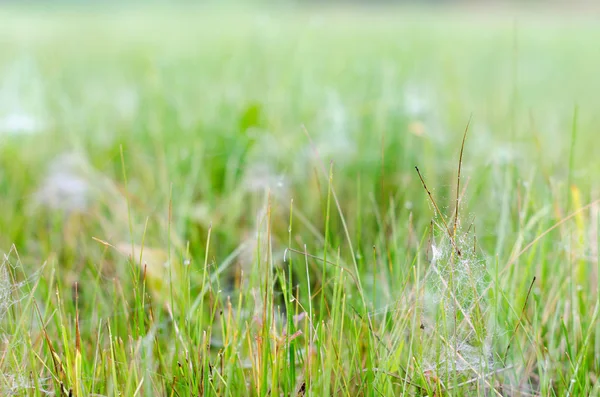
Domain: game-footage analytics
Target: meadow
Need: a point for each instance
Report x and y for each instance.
(225, 202)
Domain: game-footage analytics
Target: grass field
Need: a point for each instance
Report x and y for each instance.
(213, 202)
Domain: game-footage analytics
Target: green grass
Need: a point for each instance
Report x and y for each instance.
(269, 158)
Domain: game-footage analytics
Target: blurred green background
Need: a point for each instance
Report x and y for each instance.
(155, 124)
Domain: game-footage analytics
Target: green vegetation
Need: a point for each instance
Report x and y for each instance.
(268, 158)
